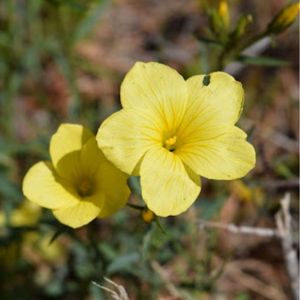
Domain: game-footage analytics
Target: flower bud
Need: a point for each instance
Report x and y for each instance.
(223, 12)
(284, 18)
(148, 215)
(242, 25)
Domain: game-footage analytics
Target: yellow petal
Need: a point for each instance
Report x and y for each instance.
(44, 188)
(90, 158)
(219, 103)
(227, 156)
(77, 215)
(168, 187)
(80, 163)
(157, 89)
(112, 183)
(126, 136)
(68, 139)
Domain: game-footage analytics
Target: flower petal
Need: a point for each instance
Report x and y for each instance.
(68, 139)
(80, 163)
(111, 190)
(90, 158)
(126, 136)
(44, 188)
(157, 89)
(77, 215)
(219, 103)
(168, 187)
(112, 183)
(227, 156)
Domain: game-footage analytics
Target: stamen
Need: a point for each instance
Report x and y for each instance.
(170, 143)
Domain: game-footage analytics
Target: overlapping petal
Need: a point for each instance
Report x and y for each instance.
(80, 163)
(42, 186)
(77, 215)
(156, 89)
(69, 138)
(168, 187)
(90, 158)
(227, 156)
(127, 135)
(108, 177)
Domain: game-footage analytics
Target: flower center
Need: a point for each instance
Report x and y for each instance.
(85, 188)
(170, 143)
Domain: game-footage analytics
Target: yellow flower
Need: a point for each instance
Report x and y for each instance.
(170, 131)
(79, 184)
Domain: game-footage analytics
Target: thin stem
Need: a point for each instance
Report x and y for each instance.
(160, 226)
(264, 232)
(134, 206)
(232, 50)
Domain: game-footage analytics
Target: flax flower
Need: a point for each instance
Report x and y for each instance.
(78, 184)
(170, 131)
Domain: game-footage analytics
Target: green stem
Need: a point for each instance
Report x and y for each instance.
(160, 226)
(233, 49)
(134, 206)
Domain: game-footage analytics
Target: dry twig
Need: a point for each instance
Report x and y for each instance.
(237, 274)
(283, 221)
(264, 232)
(119, 294)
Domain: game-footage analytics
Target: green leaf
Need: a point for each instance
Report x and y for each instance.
(211, 41)
(87, 24)
(210, 207)
(56, 235)
(123, 263)
(108, 251)
(9, 190)
(262, 61)
(242, 296)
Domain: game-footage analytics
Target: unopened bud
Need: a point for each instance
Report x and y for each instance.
(284, 18)
(223, 12)
(242, 25)
(148, 215)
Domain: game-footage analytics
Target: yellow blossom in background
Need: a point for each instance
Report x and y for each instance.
(27, 214)
(39, 244)
(247, 194)
(170, 131)
(34, 244)
(78, 184)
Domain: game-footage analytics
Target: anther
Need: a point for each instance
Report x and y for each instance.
(170, 143)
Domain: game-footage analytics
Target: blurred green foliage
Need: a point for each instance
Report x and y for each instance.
(47, 260)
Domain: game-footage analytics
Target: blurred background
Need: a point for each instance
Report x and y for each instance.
(63, 61)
